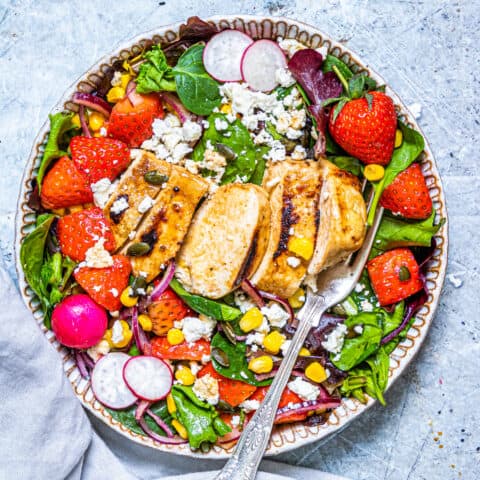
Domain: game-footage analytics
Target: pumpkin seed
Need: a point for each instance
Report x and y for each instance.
(220, 357)
(138, 249)
(404, 274)
(139, 283)
(226, 151)
(154, 177)
(229, 333)
(226, 407)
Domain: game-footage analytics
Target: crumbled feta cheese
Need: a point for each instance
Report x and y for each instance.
(366, 306)
(191, 166)
(235, 421)
(358, 329)
(293, 262)
(195, 328)
(114, 292)
(275, 314)
(205, 124)
(277, 152)
(214, 162)
(285, 346)
(220, 124)
(291, 46)
(145, 204)
(284, 78)
(264, 328)
(305, 390)
(206, 389)
(359, 287)
(263, 138)
(291, 231)
(180, 151)
(117, 332)
(242, 301)
(116, 79)
(178, 324)
(141, 291)
(205, 359)
(119, 205)
(101, 191)
(195, 367)
(334, 340)
(192, 131)
(132, 234)
(250, 405)
(299, 153)
(101, 348)
(97, 256)
(255, 338)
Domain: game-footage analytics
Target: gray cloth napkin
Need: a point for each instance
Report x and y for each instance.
(46, 434)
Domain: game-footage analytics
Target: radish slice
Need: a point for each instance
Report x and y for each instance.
(260, 61)
(223, 54)
(149, 378)
(108, 385)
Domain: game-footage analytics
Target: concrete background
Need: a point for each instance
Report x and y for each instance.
(428, 52)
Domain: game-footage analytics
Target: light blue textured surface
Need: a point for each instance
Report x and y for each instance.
(428, 52)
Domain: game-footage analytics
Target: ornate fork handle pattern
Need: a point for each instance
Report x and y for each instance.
(250, 449)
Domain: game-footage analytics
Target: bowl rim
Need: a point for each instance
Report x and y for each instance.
(300, 433)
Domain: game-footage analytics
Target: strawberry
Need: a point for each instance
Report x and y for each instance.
(366, 132)
(394, 275)
(167, 309)
(183, 351)
(104, 285)
(99, 157)
(79, 231)
(132, 122)
(65, 185)
(408, 195)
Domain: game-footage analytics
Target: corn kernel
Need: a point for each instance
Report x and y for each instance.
(145, 322)
(304, 352)
(75, 208)
(251, 320)
(181, 430)
(316, 373)
(96, 121)
(262, 364)
(373, 172)
(398, 138)
(126, 66)
(126, 299)
(171, 407)
(76, 121)
(303, 247)
(115, 94)
(108, 337)
(226, 108)
(175, 336)
(124, 79)
(59, 211)
(126, 335)
(185, 376)
(273, 341)
(297, 299)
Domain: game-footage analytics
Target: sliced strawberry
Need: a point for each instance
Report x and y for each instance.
(79, 231)
(408, 195)
(99, 157)
(168, 308)
(65, 185)
(394, 275)
(183, 351)
(132, 123)
(231, 391)
(104, 285)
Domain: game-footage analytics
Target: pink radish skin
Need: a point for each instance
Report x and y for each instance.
(223, 54)
(108, 385)
(78, 322)
(149, 378)
(259, 63)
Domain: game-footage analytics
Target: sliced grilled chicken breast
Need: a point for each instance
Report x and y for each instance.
(342, 221)
(123, 205)
(226, 241)
(294, 188)
(166, 223)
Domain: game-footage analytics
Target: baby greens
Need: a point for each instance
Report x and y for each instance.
(155, 75)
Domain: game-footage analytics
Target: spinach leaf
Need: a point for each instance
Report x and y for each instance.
(392, 320)
(235, 137)
(200, 419)
(208, 307)
(403, 156)
(350, 164)
(155, 75)
(331, 146)
(356, 350)
(395, 232)
(60, 124)
(127, 417)
(237, 359)
(197, 90)
(259, 172)
(331, 61)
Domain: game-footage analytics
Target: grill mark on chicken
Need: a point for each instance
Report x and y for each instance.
(117, 217)
(289, 218)
(245, 271)
(150, 238)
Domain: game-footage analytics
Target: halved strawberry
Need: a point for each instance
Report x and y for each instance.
(105, 285)
(394, 275)
(132, 122)
(99, 157)
(65, 185)
(79, 231)
(183, 351)
(408, 195)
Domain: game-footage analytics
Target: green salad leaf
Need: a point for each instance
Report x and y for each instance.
(403, 156)
(211, 308)
(60, 125)
(350, 164)
(155, 75)
(331, 61)
(200, 419)
(237, 139)
(237, 360)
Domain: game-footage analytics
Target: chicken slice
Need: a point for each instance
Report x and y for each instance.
(226, 241)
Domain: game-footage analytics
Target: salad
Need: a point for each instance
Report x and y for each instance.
(184, 211)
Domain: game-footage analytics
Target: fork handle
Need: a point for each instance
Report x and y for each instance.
(244, 462)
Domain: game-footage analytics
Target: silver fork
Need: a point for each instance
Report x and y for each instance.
(334, 285)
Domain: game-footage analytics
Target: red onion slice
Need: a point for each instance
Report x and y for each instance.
(81, 365)
(92, 102)
(252, 292)
(281, 301)
(174, 102)
(164, 282)
(132, 95)
(83, 122)
(306, 407)
(160, 423)
(141, 340)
